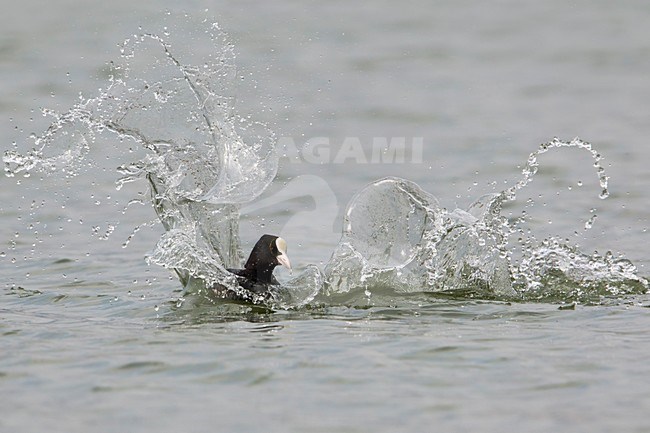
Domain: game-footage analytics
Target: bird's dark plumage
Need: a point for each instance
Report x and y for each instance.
(257, 275)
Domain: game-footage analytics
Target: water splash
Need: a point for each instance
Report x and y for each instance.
(532, 165)
(555, 271)
(199, 157)
(398, 236)
(202, 161)
(236, 155)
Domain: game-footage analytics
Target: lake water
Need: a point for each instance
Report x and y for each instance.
(95, 339)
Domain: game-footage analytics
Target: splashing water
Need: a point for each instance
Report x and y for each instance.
(532, 166)
(202, 161)
(397, 236)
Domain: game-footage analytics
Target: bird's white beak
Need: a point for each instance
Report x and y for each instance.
(283, 259)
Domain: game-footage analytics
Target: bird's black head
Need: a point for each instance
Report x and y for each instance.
(269, 252)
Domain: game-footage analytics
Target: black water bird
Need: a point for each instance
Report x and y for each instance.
(257, 275)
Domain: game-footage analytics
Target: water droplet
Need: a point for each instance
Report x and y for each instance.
(590, 222)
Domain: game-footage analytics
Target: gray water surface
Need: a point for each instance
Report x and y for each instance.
(93, 339)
